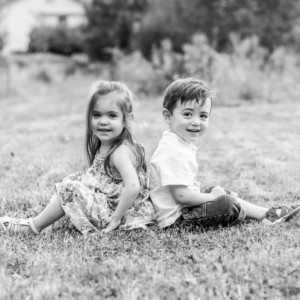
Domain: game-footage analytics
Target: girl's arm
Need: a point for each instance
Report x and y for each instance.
(124, 160)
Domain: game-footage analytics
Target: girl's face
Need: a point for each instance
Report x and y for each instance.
(107, 121)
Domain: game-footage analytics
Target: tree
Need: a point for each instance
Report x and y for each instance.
(163, 20)
(272, 21)
(110, 24)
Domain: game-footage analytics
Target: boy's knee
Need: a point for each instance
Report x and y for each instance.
(224, 210)
(210, 189)
(231, 207)
(228, 205)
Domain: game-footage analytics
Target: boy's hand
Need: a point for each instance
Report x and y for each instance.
(112, 225)
(234, 195)
(218, 191)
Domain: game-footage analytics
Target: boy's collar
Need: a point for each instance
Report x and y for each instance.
(171, 134)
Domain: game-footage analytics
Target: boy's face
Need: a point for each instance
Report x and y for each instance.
(189, 120)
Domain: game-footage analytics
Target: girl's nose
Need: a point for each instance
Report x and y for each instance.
(103, 121)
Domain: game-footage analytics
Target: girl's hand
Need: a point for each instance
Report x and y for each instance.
(112, 225)
(218, 191)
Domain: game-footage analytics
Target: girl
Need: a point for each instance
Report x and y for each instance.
(113, 192)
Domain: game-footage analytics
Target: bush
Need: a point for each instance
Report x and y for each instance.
(247, 73)
(138, 73)
(167, 62)
(60, 40)
(239, 75)
(199, 58)
(282, 74)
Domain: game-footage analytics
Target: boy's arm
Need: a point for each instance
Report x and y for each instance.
(185, 196)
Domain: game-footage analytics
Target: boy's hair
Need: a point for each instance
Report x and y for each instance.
(92, 144)
(186, 89)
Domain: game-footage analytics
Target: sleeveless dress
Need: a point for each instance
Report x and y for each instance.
(90, 199)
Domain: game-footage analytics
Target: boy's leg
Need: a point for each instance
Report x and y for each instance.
(51, 213)
(224, 211)
(273, 215)
(252, 211)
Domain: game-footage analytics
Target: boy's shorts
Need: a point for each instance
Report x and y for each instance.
(224, 211)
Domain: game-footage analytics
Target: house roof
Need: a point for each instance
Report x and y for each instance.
(60, 7)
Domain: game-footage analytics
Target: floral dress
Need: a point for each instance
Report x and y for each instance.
(90, 199)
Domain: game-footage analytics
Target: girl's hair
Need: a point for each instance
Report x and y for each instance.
(92, 143)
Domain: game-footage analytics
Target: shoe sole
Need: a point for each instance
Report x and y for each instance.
(288, 216)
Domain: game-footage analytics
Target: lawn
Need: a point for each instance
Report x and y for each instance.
(252, 149)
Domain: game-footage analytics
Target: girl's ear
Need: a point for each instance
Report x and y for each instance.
(130, 116)
(167, 115)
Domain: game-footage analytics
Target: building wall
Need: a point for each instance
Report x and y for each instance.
(20, 17)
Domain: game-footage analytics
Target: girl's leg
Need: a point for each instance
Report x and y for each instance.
(51, 213)
(252, 211)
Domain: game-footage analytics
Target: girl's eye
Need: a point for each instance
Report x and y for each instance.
(96, 115)
(113, 116)
(203, 116)
(187, 114)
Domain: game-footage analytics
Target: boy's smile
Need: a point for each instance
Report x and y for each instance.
(189, 120)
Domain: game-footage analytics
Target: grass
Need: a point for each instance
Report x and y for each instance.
(251, 149)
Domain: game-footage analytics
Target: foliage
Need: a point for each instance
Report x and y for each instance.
(247, 73)
(250, 74)
(167, 62)
(60, 39)
(199, 58)
(138, 73)
(162, 20)
(110, 25)
(273, 22)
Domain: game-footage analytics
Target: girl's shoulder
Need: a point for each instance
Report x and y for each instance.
(124, 150)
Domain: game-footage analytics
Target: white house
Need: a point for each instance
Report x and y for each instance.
(20, 17)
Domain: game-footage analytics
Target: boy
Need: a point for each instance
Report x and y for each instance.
(174, 189)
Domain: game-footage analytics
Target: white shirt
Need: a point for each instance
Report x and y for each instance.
(173, 163)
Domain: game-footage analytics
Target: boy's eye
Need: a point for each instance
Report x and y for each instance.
(187, 114)
(202, 116)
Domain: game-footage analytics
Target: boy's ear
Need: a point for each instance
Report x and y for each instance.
(167, 115)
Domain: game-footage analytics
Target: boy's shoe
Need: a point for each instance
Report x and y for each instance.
(280, 214)
(8, 224)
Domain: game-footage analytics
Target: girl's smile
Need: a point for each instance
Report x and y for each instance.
(103, 130)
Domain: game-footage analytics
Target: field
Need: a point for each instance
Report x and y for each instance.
(252, 149)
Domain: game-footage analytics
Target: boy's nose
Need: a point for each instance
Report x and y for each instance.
(196, 122)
